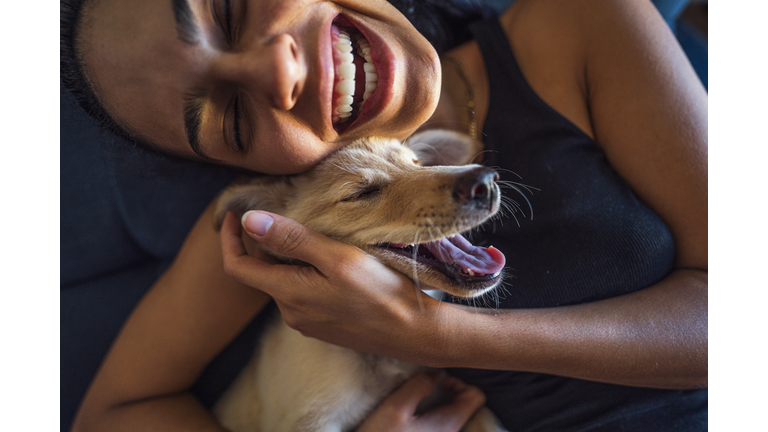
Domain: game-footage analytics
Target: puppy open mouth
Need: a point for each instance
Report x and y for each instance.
(455, 257)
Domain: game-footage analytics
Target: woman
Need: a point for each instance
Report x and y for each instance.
(249, 84)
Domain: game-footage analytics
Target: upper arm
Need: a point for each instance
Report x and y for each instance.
(649, 112)
(614, 69)
(191, 313)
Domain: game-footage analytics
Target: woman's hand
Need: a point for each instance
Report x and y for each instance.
(350, 299)
(396, 413)
(346, 298)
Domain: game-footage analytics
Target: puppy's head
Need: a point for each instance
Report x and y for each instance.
(390, 200)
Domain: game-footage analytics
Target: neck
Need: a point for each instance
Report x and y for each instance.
(452, 111)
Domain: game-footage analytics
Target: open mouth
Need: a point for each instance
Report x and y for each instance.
(355, 77)
(455, 257)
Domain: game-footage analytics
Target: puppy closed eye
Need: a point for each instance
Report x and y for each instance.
(363, 194)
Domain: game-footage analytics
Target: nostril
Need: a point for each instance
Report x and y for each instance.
(295, 93)
(475, 185)
(479, 190)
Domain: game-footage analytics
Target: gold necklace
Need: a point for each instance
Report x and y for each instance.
(472, 129)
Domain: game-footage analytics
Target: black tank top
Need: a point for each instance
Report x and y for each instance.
(589, 238)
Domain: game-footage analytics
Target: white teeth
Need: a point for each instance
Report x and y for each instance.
(346, 87)
(346, 70)
(471, 273)
(344, 47)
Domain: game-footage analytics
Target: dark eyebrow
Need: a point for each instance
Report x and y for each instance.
(185, 22)
(193, 117)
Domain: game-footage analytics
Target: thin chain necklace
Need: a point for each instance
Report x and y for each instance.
(472, 129)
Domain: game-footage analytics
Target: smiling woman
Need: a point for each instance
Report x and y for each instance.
(252, 84)
(602, 323)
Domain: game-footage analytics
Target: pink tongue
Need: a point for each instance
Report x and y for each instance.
(457, 249)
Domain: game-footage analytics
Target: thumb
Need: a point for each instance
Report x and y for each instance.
(412, 391)
(292, 239)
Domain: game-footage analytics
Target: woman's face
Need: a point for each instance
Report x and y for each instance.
(257, 83)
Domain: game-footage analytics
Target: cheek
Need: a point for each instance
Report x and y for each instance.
(291, 154)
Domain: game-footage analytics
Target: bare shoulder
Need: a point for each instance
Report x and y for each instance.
(644, 103)
(550, 49)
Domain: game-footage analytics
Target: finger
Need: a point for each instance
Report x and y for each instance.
(288, 237)
(414, 390)
(453, 415)
(247, 269)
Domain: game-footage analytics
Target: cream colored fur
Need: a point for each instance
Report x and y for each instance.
(295, 383)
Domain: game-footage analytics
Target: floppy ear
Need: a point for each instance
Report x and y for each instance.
(265, 193)
(443, 147)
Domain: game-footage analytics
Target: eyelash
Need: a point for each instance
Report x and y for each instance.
(225, 24)
(365, 193)
(236, 136)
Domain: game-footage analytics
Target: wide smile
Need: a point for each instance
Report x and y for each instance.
(362, 66)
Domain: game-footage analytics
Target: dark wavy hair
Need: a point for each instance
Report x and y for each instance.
(444, 23)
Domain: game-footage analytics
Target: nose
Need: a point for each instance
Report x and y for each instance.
(476, 186)
(274, 69)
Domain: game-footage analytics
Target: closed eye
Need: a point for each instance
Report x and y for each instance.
(363, 194)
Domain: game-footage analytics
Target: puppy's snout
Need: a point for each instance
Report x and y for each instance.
(476, 186)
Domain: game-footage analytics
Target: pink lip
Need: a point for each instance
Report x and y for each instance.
(385, 63)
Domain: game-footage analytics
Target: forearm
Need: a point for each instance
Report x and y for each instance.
(656, 337)
(191, 313)
(181, 412)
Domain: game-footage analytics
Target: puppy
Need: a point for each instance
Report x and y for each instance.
(401, 204)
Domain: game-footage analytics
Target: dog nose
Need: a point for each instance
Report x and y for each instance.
(476, 186)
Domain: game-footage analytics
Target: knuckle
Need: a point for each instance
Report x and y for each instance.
(292, 239)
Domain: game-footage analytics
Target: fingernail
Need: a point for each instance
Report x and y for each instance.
(257, 223)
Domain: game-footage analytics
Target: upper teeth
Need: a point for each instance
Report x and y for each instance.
(346, 71)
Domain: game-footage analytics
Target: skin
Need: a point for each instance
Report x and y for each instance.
(586, 59)
(142, 71)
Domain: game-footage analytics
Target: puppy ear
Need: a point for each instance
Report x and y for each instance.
(443, 147)
(266, 193)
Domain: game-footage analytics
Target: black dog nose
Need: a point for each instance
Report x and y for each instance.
(476, 186)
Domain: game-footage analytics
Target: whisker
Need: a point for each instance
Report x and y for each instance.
(416, 273)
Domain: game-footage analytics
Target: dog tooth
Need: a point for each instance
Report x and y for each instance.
(471, 273)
